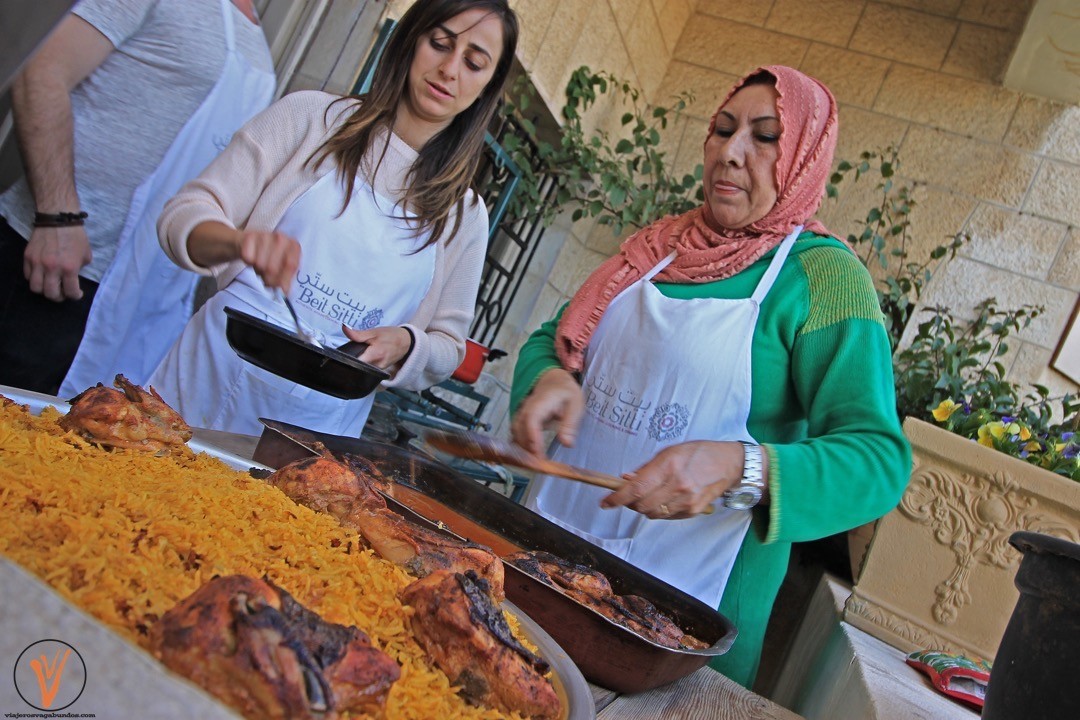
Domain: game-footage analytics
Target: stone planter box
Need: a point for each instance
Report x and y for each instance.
(939, 571)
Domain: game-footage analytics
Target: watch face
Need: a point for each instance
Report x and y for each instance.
(742, 498)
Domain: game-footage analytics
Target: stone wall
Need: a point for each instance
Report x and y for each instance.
(925, 75)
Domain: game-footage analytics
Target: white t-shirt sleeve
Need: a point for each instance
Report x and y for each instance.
(117, 20)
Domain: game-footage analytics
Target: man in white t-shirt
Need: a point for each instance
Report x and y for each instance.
(123, 102)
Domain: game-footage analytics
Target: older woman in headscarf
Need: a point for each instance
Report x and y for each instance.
(733, 365)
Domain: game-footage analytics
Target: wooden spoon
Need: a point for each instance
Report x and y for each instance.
(475, 446)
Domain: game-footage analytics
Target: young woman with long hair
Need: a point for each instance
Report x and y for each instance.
(359, 209)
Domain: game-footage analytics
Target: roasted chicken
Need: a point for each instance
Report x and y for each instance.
(130, 417)
(251, 645)
(468, 638)
(593, 590)
(346, 492)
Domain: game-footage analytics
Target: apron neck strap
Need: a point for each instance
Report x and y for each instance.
(659, 267)
(767, 280)
(227, 9)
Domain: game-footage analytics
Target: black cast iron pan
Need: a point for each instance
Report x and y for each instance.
(334, 371)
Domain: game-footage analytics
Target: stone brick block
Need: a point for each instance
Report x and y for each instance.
(646, 50)
(980, 53)
(708, 87)
(963, 106)
(601, 45)
(534, 20)
(864, 130)
(573, 265)
(1046, 127)
(936, 218)
(626, 12)
(1008, 14)
(1032, 365)
(1014, 241)
(854, 78)
(901, 34)
(691, 149)
(825, 21)
(1066, 270)
(1055, 191)
(945, 8)
(736, 49)
(964, 283)
(672, 15)
(984, 170)
(751, 12)
(554, 59)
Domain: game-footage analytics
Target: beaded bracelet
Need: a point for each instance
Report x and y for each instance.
(63, 219)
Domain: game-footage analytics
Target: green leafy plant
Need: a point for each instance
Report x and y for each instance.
(951, 372)
(884, 238)
(626, 181)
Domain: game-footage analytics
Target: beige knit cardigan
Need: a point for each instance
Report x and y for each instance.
(264, 169)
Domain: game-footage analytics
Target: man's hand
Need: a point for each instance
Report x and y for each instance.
(53, 259)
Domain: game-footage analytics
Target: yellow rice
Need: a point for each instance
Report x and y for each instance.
(126, 535)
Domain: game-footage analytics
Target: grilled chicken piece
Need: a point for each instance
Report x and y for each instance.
(468, 638)
(592, 589)
(131, 418)
(328, 485)
(251, 645)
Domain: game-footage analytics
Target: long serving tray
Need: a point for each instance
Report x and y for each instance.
(608, 654)
(569, 682)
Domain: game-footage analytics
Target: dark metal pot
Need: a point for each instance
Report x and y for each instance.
(1035, 671)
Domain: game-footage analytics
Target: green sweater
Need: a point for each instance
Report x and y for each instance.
(823, 407)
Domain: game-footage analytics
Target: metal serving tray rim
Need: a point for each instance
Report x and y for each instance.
(39, 401)
(718, 647)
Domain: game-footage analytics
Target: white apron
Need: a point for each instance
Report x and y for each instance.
(144, 299)
(661, 371)
(357, 268)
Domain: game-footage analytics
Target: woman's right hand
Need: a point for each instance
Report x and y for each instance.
(555, 400)
(274, 256)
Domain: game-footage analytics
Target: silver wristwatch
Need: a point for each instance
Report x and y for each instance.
(748, 492)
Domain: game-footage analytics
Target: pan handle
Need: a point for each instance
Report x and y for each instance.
(354, 348)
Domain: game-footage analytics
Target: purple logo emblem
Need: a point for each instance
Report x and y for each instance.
(668, 421)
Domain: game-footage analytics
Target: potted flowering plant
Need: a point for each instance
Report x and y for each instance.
(990, 457)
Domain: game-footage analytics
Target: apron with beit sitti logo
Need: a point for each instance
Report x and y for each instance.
(144, 299)
(360, 268)
(661, 371)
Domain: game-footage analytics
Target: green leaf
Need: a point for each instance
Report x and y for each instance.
(624, 146)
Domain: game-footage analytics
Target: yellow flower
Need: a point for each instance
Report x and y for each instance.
(1033, 446)
(989, 431)
(944, 410)
(1025, 434)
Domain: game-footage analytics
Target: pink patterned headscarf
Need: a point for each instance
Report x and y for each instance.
(808, 127)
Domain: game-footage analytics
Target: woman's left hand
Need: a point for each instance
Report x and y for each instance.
(682, 480)
(387, 346)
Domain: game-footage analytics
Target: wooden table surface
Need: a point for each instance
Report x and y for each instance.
(704, 695)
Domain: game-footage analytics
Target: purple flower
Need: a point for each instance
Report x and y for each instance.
(1006, 419)
(1071, 451)
(1066, 436)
